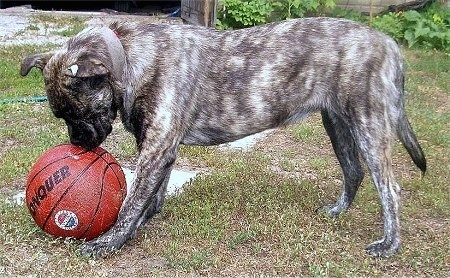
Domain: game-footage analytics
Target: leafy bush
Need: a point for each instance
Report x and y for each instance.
(428, 28)
(391, 24)
(235, 14)
(300, 8)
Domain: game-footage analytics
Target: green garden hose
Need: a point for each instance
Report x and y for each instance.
(23, 99)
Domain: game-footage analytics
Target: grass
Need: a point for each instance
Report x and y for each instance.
(65, 26)
(12, 85)
(251, 213)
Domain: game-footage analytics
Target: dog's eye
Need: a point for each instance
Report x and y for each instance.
(74, 83)
(78, 84)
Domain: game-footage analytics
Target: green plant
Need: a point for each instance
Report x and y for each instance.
(300, 8)
(240, 14)
(391, 24)
(235, 14)
(430, 28)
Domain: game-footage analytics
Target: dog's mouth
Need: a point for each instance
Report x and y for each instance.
(88, 134)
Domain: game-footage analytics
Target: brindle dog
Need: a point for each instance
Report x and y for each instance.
(180, 84)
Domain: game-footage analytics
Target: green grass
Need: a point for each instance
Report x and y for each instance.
(249, 213)
(26, 129)
(12, 84)
(66, 26)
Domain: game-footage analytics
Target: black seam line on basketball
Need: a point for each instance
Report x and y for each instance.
(109, 165)
(53, 162)
(100, 154)
(122, 186)
(68, 188)
(98, 204)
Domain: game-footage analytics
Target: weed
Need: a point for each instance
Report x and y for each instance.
(304, 132)
(240, 237)
(189, 260)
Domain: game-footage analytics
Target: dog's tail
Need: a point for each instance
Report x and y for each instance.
(410, 142)
(406, 134)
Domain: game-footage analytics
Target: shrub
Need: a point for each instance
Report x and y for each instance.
(285, 9)
(430, 28)
(391, 24)
(235, 14)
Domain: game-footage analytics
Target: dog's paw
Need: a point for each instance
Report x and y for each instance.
(98, 248)
(333, 210)
(382, 248)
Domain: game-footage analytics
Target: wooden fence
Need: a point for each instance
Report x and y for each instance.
(199, 12)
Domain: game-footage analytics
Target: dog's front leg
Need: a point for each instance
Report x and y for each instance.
(144, 201)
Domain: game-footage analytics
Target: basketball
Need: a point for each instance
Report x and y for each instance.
(74, 192)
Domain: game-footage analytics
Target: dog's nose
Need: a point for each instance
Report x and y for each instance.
(78, 140)
(82, 139)
(84, 142)
(83, 134)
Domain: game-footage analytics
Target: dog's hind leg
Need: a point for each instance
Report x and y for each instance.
(348, 156)
(375, 141)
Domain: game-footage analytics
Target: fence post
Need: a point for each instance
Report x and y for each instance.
(199, 12)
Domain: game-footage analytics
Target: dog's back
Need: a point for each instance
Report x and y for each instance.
(245, 81)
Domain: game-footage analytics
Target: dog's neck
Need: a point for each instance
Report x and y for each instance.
(116, 51)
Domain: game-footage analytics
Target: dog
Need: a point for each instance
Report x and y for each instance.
(182, 84)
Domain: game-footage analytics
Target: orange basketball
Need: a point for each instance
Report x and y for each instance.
(74, 192)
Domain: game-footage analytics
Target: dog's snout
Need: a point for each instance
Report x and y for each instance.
(86, 134)
(77, 139)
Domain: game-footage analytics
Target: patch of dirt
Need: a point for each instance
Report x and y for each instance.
(290, 157)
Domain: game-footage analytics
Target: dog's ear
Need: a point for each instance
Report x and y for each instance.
(86, 68)
(36, 60)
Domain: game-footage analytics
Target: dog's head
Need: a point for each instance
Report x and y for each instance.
(80, 80)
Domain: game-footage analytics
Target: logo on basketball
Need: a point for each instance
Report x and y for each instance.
(66, 220)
